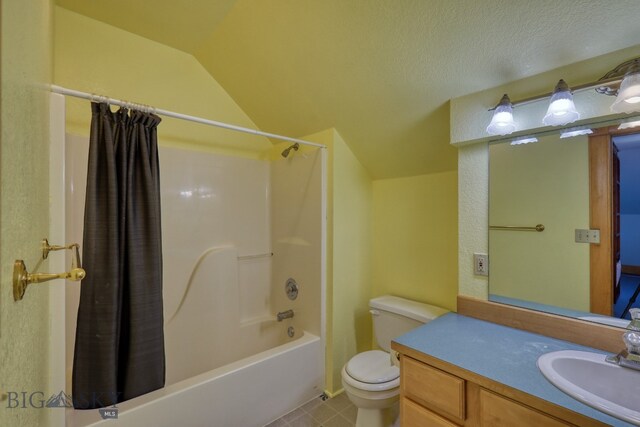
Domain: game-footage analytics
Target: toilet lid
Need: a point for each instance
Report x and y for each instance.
(373, 367)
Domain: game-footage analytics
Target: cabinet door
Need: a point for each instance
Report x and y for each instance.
(414, 415)
(433, 388)
(498, 411)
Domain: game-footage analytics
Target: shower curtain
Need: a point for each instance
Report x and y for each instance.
(119, 349)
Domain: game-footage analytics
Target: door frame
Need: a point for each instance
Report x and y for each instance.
(602, 266)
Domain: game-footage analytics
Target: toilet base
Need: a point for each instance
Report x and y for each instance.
(380, 417)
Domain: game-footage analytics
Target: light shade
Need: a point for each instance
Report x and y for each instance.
(561, 109)
(524, 140)
(628, 99)
(629, 124)
(502, 121)
(569, 133)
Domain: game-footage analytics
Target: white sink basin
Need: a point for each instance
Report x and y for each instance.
(588, 378)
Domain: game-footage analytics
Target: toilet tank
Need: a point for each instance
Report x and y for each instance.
(394, 316)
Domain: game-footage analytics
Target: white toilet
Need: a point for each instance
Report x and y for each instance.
(372, 379)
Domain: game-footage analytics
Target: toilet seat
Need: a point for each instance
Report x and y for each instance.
(371, 371)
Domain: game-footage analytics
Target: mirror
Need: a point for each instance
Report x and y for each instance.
(547, 183)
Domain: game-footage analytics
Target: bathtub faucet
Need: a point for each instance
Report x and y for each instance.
(284, 315)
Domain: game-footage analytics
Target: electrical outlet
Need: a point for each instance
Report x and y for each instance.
(587, 236)
(481, 264)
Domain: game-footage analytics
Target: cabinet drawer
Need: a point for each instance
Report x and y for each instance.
(438, 390)
(497, 411)
(414, 415)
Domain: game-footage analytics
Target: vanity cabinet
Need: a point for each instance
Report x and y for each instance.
(435, 393)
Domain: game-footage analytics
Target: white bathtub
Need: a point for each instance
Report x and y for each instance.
(248, 393)
(227, 253)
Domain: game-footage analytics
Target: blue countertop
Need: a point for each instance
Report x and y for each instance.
(502, 354)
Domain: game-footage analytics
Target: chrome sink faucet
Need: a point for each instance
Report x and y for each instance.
(630, 357)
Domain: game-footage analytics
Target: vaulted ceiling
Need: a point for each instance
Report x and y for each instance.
(380, 71)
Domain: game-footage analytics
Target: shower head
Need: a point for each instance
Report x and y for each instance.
(295, 147)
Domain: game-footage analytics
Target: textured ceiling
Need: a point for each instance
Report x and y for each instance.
(380, 71)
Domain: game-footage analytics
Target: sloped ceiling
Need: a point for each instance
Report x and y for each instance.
(380, 71)
(183, 25)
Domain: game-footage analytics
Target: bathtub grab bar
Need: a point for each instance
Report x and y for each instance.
(265, 255)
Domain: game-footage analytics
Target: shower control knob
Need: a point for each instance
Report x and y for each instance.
(291, 289)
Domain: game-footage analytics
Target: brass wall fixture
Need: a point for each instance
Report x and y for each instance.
(22, 278)
(539, 228)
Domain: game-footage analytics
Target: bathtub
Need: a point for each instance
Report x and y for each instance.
(251, 392)
(234, 231)
(221, 370)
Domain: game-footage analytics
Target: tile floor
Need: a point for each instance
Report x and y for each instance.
(335, 412)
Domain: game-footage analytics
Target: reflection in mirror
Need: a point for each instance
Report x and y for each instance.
(547, 183)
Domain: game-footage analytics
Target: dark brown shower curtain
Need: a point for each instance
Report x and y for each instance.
(119, 350)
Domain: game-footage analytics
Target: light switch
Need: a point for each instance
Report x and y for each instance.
(587, 236)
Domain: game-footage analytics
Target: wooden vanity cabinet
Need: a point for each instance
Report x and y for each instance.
(435, 393)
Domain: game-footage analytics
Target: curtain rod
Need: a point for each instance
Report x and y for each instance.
(92, 97)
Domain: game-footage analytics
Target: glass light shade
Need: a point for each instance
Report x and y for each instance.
(525, 140)
(628, 99)
(561, 110)
(629, 124)
(502, 121)
(569, 133)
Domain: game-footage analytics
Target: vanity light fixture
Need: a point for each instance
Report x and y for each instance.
(568, 133)
(502, 122)
(524, 140)
(561, 109)
(628, 124)
(623, 82)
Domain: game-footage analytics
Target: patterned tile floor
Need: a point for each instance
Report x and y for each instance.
(335, 412)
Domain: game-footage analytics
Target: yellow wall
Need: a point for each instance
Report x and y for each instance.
(351, 288)
(414, 243)
(543, 183)
(348, 274)
(24, 203)
(97, 58)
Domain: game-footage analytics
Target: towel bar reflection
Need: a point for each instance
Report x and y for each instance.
(539, 228)
(22, 278)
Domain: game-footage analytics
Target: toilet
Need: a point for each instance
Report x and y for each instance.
(371, 379)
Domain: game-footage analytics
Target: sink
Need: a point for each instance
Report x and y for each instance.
(587, 377)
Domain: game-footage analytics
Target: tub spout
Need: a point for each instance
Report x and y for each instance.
(284, 315)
